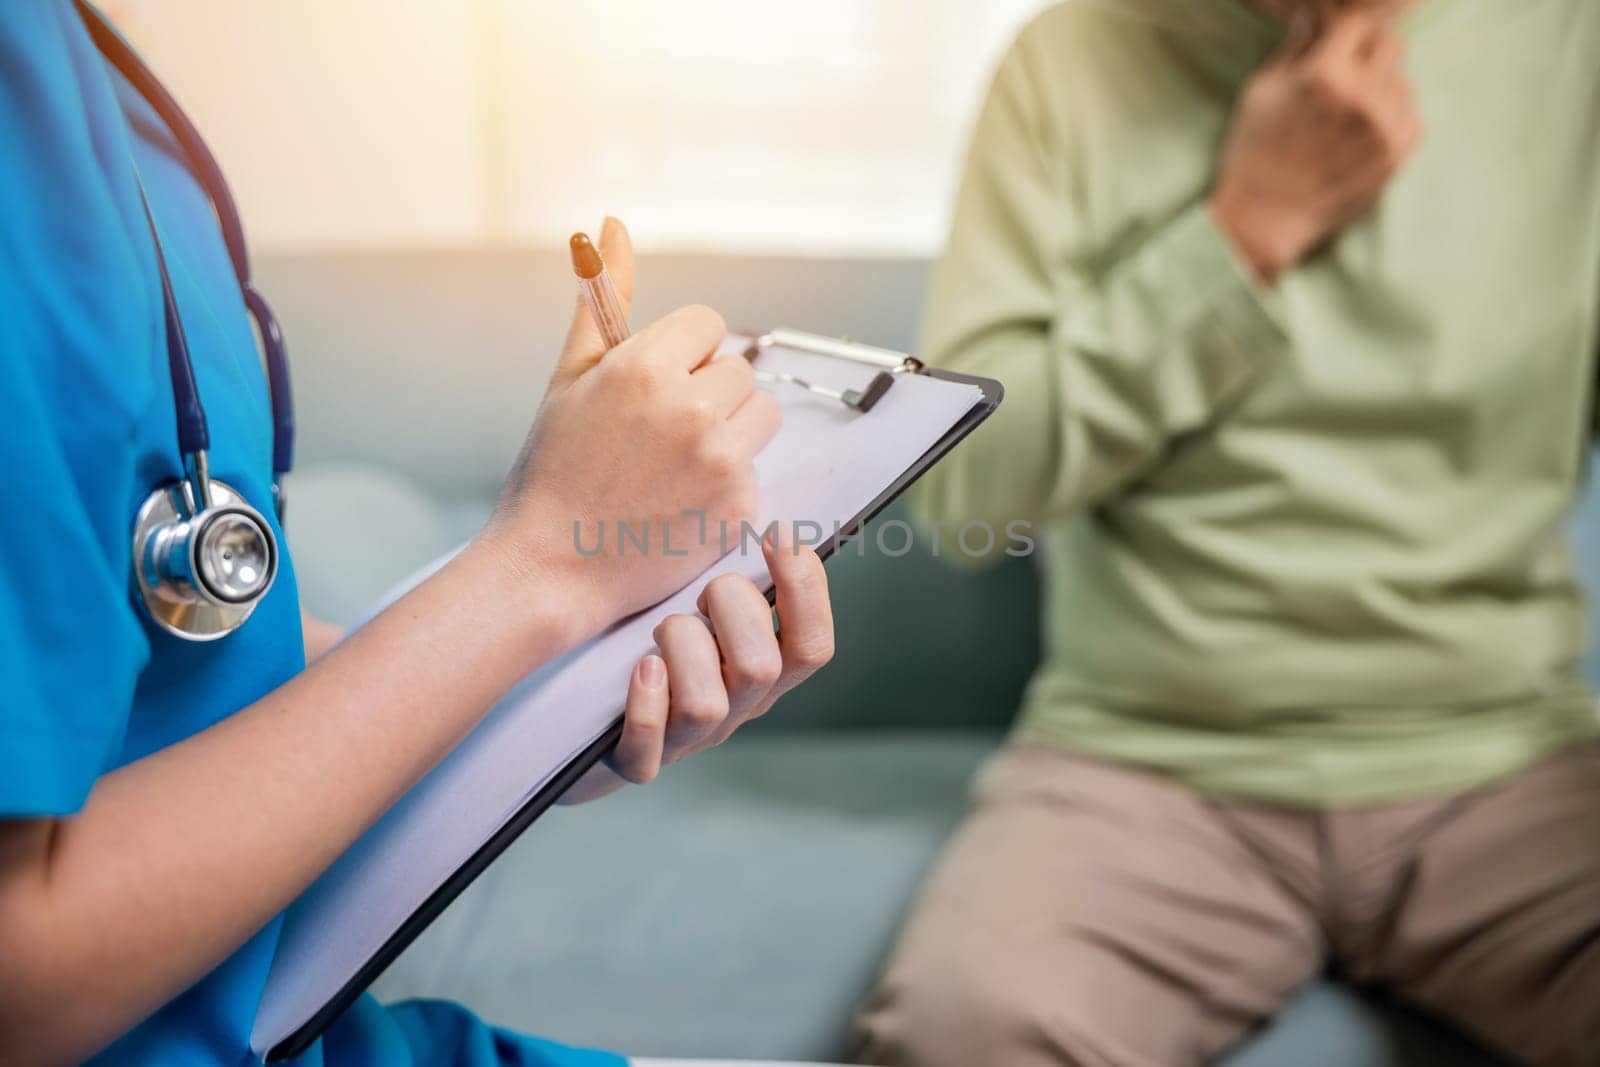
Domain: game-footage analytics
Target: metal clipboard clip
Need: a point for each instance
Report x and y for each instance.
(890, 363)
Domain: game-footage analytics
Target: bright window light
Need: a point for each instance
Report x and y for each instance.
(831, 127)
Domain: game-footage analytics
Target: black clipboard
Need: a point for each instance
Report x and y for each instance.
(463, 876)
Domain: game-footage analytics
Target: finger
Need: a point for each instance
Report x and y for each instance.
(1387, 12)
(1387, 54)
(1344, 38)
(805, 611)
(727, 381)
(741, 620)
(1407, 133)
(637, 756)
(1394, 90)
(680, 340)
(1396, 111)
(616, 248)
(756, 421)
(698, 698)
(584, 346)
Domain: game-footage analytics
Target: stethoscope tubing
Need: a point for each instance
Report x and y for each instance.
(193, 432)
(194, 435)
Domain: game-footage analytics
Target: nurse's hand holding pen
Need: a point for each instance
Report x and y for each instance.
(179, 857)
(702, 422)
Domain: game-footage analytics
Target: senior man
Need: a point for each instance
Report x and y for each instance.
(1296, 309)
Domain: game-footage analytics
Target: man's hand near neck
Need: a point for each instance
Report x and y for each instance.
(1317, 134)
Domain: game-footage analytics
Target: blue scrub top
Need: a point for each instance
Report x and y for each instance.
(87, 684)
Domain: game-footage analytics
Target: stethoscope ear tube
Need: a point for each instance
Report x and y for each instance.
(194, 435)
(277, 378)
(121, 55)
(277, 360)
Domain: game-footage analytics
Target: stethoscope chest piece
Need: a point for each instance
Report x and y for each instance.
(202, 568)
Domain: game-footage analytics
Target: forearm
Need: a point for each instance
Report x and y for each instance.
(319, 635)
(180, 857)
(1002, 473)
(1106, 354)
(1121, 365)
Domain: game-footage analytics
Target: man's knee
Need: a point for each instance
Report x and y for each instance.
(973, 1016)
(950, 1018)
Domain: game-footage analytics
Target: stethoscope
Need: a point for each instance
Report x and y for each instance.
(203, 558)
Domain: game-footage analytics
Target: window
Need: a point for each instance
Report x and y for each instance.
(835, 126)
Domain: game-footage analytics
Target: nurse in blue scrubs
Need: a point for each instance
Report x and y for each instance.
(162, 800)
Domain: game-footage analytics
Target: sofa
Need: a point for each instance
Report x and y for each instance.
(741, 906)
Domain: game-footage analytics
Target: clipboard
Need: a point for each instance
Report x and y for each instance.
(882, 369)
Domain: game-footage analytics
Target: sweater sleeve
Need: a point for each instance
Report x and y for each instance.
(1592, 421)
(1103, 362)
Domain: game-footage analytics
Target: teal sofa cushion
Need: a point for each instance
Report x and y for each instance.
(1331, 1025)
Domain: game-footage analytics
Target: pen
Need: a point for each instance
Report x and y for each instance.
(594, 281)
(598, 292)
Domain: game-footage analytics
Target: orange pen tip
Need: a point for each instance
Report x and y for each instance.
(585, 257)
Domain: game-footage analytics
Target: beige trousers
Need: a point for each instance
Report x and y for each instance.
(1088, 914)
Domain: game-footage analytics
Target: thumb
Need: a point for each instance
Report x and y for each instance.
(584, 347)
(1343, 36)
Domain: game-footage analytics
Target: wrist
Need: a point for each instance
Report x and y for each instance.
(544, 587)
(1265, 242)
